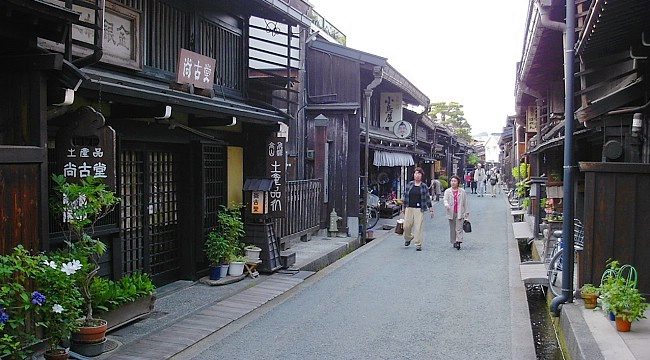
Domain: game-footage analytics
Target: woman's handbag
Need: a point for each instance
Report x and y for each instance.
(467, 226)
(399, 227)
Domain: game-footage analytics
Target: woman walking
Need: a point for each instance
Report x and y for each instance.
(415, 201)
(455, 200)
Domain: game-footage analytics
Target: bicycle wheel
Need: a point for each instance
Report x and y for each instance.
(554, 272)
(373, 217)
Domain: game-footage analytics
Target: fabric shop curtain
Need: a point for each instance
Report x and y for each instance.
(385, 158)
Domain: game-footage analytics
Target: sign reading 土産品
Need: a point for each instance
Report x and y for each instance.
(275, 169)
(86, 147)
(195, 69)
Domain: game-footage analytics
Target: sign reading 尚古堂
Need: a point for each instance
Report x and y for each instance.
(86, 147)
(275, 169)
(195, 69)
(390, 109)
(259, 203)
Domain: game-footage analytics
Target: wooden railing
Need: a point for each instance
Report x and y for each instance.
(303, 210)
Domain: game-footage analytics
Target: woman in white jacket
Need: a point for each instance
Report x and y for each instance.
(455, 200)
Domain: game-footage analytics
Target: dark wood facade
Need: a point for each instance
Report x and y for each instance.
(180, 154)
(610, 95)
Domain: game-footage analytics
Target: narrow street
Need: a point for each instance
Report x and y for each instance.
(388, 301)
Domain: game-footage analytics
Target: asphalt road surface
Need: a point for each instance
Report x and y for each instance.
(387, 301)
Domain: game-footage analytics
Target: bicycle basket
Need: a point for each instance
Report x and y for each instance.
(373, 200)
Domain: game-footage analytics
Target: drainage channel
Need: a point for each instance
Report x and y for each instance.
(546, 344)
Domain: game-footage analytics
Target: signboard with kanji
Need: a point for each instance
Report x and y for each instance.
(275, 169)
(531, 119)
(86, 147)
(195, 69)
(390, 109)
(259, 203)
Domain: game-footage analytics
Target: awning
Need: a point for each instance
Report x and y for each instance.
(384, 158)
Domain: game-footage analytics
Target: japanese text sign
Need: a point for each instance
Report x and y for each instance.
(85, 147)
(275, 169)
(390, 109)
(195, 69)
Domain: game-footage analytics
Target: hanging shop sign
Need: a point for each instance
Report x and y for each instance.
(531, 119)
(390, 109)
(195, 69)
(276, 170)
(402, 129)
(86, 147)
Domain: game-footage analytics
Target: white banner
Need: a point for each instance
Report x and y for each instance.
(390, 110)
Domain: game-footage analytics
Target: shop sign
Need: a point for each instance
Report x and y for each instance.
(402, 129)
(390, 109)
(122, 40)
(86, 147)
(195, 69)
(276, 170)
(531, 119)
(259, 203)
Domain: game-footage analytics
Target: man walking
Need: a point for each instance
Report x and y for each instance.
(480, 177)
(435, 189)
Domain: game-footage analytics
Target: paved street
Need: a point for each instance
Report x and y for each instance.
(388, 301)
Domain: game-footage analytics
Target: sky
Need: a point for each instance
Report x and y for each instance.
(460, 51)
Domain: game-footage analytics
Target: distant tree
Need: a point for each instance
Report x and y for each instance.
(472, 159)
(451, 115)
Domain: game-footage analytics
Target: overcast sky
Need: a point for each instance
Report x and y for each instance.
(462, 51)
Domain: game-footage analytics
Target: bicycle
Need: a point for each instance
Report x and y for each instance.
(371, 211)
(554, 270)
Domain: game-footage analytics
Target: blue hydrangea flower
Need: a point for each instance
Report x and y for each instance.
(4, 317)
(38, 298)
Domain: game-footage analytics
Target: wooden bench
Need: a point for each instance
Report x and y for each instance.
(251, 268)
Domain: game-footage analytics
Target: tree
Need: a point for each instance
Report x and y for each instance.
(473, 159)
(452, 116)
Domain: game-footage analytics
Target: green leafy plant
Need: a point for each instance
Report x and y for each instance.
(589, 289)
(444, 181)
(109, 294)
(37, 291)
(619, 292)
(224, 241)
(81, 205)
(251, 247)
(238, 258)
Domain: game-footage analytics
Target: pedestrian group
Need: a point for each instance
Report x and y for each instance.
(417, 199)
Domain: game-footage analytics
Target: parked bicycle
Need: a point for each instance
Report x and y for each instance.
(371, 211)
(554, 269)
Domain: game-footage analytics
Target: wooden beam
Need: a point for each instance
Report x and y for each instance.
(53, 61)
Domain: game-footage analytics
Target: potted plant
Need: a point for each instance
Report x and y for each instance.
(121, 302)
(237, 263)
(81, 205)
(224, 240)
(252, 252)
(59, 302)
(620, 295)
(217, 250)
(589, 294)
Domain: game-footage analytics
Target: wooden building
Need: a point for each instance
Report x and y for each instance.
(357, 100)
(611, 103)
(194, 92)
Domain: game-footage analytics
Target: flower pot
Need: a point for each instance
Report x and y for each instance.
(223, 270)
(129, 312)
(215, 272)
(91, 334)
(58, 354)
(253, 254)
(236, 268)
(623, 325)
(591, 300)
(88, 349)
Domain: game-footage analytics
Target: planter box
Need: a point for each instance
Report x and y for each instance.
(128, 312)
